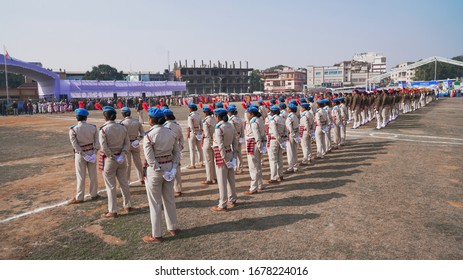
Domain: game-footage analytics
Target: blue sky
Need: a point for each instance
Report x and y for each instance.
(137, 34)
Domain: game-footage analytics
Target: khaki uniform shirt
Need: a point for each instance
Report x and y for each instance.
(84, 136)
(113, 139)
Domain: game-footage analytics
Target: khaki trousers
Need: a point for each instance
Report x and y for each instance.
(306, 147)
(113, 170)
(239, 159)
(336, 136)
(141, 116)
(226, 182)
(385, 114)
(328, 140)
(356, 115)
(291, 154)
(135, 154)
(178, 180)
(275, 157)
(209, 157)
(82, 166)
(343, 132)
(255, 170)
(195, 149)
(320, 141)
(160, 192)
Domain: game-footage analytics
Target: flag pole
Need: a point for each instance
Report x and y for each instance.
(6, 78)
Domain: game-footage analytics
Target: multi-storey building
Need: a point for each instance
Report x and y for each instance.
(377, 60)
(214, 78)
(286, 80)
(399, 75)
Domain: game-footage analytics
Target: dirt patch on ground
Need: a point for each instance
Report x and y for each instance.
(108, 239)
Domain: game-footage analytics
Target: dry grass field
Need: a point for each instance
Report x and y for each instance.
(396, 193)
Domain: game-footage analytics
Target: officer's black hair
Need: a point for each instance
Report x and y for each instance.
(275, 112)
(256, 114)
(294, 110)
(158, 120)
(223, 116)
(110, 115)
(81, 118)
(126, 114)
(208, 112)
(170, 117)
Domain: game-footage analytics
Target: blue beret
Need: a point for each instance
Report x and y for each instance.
(108, 108)
(260, 101)
(305, 105)
(334, 100)
(168, 112)
(303, 100)
(164, 107)
(193, 106)
(281, 98)
(321, 102)
(252, 109)
(219, 111)
(292, 106)
(327, 101)
(293, 101)
(231, 108)
(206, 109)
(155, 113)
(81, 112)
(219, 104)
(125, 110)
(310, 98)
(341, 99)
(274, 108)
(282, 105)
(273, 101)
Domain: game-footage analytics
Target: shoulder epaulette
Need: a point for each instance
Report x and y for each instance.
(217, 126)
(71, 127)
(101, 127)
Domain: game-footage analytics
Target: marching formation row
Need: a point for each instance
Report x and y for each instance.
(216, 141)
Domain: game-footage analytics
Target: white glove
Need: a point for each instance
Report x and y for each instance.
(173, 171)
(297, 140)
(325, 129)
(241, 140)
(168, 176)
(199, 136)
(283, 145)
(135, 144)
(231, 163)
(341, 125)
(120, 158)
(263, 150)
(333, 125)
(312, 134)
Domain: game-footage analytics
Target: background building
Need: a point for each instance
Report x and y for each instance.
(214, 78)
(285, 80)
(399, 75)
(377, 60)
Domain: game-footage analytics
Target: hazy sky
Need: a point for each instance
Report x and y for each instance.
(137, 34)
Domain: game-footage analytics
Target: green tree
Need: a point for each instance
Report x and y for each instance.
(444, 71)
(14, 80)
(103, 72)
(257, 84)
(274, 68)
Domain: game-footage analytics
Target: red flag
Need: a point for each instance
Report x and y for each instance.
(211, 107)
(145, 106)
(243, 105)
(185, 102)
(200, 105)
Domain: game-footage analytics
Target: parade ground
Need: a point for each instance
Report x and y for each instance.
(394, 193)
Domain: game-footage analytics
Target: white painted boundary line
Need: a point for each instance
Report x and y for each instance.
(41, 209)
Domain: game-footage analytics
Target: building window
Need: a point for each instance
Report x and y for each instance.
(318, 73)
(190, 72)
(198, 72)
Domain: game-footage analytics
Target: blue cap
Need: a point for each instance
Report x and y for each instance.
(219, 111)
(293, 101)
(310, 98)
(254, 105)
(272, 101)
(341, 99)
(260, 101)
(305, 105)
(334, 100)
(282, 105)
(327, 101)
(125, 110)
(164, 107)
(274, 108)
(155, 113)
(303, 100)
(108, 109)
(252, 109)
(281, 98)
(168, 112)
(206, 109)
(81, 112)
(321, 102)
(231, 108)
(292, 107)
(193, 106)
(219, 105)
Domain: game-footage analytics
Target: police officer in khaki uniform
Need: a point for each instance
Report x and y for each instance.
(84, 140)
(255, 135)
(162, 154)
(225, 151)
(235, 119)
(194, 136)
(292, 126)
(175, 127)
(114, 142)
(344, 118)
(277, 137)
(321, 121)
(208, 124)
(136, 132)
(306, 127)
